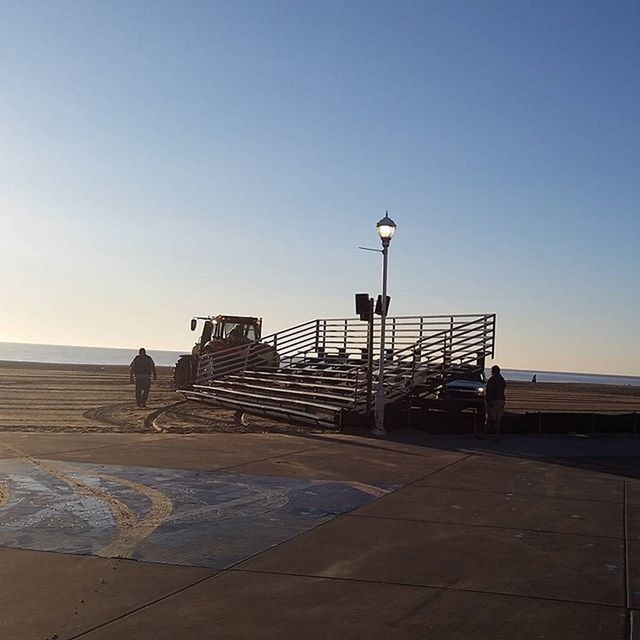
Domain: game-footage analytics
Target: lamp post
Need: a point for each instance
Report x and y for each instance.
(386, 228)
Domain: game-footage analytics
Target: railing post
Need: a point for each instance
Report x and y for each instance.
(370, 358)
(493, 335)
(485, 335)
(355, 395)
(448, 341)
(246, 357)
(324, 335)
(416, 356)
(450, 335)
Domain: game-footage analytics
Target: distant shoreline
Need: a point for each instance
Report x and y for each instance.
(571, 373)
(70, 366)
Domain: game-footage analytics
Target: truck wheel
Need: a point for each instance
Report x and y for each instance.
(182, 373)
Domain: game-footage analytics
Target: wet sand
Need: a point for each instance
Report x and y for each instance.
(47, 397)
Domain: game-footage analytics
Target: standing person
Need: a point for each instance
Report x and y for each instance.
(142, 368)
(494, 401)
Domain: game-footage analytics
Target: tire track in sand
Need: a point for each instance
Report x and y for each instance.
(131, 535)
(131, 529)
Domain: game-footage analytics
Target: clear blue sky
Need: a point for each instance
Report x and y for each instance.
(163, 159)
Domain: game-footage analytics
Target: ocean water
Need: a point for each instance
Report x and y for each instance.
(50, 353)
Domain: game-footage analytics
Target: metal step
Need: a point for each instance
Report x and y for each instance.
(279, 390)
(257, 408)
(271, 400)
(309, 378)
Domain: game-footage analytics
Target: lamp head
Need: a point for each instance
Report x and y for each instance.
(386, 228)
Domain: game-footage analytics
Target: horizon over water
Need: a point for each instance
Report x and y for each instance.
(72, 354)
(68, 354)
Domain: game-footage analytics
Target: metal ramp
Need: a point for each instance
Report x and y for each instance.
(322, 376)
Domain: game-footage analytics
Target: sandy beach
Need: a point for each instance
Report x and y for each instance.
(524, 397)
(86, 398)
(49, 397)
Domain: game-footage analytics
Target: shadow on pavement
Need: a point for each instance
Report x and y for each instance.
(619, 455)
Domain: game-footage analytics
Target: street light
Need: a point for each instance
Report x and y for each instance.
(386, 228)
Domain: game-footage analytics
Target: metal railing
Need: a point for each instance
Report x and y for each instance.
(435, 358)
(324, 357)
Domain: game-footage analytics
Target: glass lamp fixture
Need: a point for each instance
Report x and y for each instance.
(386, 228)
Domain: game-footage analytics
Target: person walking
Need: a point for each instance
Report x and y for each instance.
(494, 402)
(142, 368)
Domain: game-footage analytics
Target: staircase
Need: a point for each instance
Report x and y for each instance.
(320, 375)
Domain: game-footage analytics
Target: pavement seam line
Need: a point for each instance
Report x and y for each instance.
(144, 606)
(427, 586)
(446, 466)
(515, 493)
(413, 482)
(281, 455)
(366, 445)
(625, 530)
(484, 526)
(22, 454)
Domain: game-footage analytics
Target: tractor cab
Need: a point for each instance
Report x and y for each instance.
(221, 332)
(237, 328)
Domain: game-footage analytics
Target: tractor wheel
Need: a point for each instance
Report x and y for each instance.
(183, 373)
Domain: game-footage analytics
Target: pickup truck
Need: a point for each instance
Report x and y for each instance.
(463, 393)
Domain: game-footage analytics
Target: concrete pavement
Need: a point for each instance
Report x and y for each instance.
(439, 537)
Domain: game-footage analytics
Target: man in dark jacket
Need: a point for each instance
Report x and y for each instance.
(142, 368)
(494, 401)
